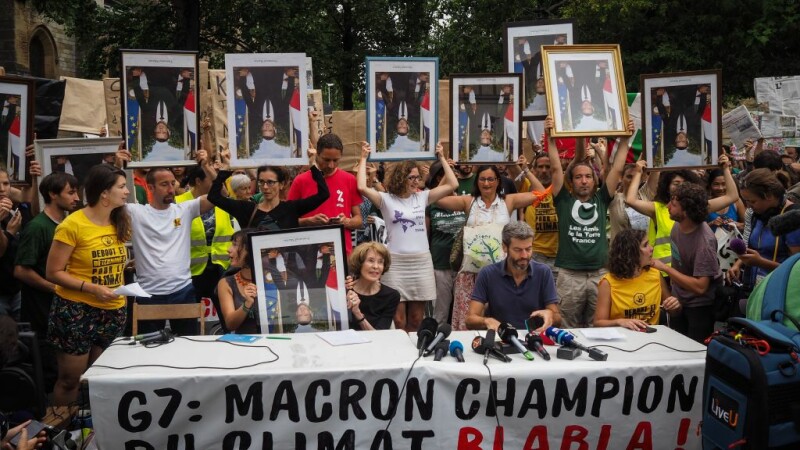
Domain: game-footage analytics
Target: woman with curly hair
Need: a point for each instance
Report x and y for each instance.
(403, 209)
(632, 294)
(86, 263)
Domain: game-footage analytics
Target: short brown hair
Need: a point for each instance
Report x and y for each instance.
(359, 255)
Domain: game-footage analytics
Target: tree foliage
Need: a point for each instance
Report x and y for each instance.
(744, 38)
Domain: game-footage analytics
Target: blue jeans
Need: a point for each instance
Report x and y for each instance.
(10, 305)
(181, 327)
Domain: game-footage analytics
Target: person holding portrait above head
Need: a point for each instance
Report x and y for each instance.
(632, 294)
(86, 263)
(372, 304)
(582, 211)
(238, 294)
(514, 289)
(403, 209)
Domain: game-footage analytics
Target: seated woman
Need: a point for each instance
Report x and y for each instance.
(632, 294)
(238, 293)
(371, 303)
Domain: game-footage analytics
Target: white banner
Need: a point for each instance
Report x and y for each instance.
(578, 404)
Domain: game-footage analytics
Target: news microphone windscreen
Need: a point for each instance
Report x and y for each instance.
(454, 346)
(429, 324)
(785, 223)
(559, 336)
(505, 331)
(738, 246)
(445, 329)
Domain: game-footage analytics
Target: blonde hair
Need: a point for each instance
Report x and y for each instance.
(359, 255)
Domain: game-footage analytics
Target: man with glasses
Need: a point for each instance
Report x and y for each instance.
(342, 207)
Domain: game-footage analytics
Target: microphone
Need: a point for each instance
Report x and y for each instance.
(441, 333)
(441, 350)
(486, 347)
(425, 333)
(785, 223)
(509, 335)
(738, 246)
(564, 337)
(457, 350)
(156, 336)
(534, 342)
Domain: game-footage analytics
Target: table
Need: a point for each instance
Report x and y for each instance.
(314, 395)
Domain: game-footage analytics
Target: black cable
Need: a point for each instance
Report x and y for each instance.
(645, 345)
(493, 396)
(393, 408)
(196, 367)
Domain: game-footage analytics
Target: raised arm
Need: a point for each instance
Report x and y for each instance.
(731, 190)
(555, 161)
(308, 204)
(615, 174)
(632, 199)
(536, 185)
(448, 184)
(361, 178)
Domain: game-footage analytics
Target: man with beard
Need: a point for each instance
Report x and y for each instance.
(543, 218)
(161, 247)
(514, 289)
(582, 218)
(466, 179)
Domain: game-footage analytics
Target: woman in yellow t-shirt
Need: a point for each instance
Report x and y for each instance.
(632, 294)
(86, 263)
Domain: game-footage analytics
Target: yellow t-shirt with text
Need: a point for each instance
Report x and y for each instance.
(98, 258)
(637, 298)
(544, 221)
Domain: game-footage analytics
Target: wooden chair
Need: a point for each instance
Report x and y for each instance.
(164, 312)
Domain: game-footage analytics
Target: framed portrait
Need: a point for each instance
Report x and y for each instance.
(267, 108)
(585, 90)
(682, 118)
(161, 107)
(76, 157)
(16, 126)
(402, 107)
(522, 42)
(300, 278)
(485, 110)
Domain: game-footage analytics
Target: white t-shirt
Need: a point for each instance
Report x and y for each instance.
(161, 242)
(405, 222)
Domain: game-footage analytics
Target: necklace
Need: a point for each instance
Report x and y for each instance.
(240, 280)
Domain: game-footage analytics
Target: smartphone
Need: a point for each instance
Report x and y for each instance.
(650, 330)
(33, 429)
(534, 323)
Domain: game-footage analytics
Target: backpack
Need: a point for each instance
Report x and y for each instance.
(775, 289)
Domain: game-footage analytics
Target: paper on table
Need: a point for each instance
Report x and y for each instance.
(346, 337)
(131, 290)
(604, 334)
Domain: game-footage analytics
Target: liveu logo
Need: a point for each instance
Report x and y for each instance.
(724, 408)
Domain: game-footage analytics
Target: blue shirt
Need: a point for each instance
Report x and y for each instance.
(509, 302)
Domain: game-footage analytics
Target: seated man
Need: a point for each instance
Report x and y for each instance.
(516, 288)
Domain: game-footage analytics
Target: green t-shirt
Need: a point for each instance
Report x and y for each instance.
(32, 251)
(582, 242)
(444, 227)
(465, 185)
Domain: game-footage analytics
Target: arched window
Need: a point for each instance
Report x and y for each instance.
(42, 54)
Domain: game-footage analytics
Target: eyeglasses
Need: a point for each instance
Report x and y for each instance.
(487, 180)
(263, 183)
(414, 178)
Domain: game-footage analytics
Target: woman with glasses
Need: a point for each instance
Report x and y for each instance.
(403, 209)
(484, 206)
(270, 213)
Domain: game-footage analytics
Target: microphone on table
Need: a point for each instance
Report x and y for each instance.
(534, 342)
(509, 335)
(457, 350)
(564, 337)
(784, 223)
(441, 349)
(485, 346)
(441, 333)
(156, 336)
(425, 333)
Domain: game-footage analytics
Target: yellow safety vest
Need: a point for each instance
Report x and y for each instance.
(659, 232)
(218, 250)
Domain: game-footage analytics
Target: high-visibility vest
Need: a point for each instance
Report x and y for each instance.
(218, 250)
(659, 232)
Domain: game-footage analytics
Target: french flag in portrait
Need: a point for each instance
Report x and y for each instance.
(297, 120)
(15, 149)
(190, 118)
(336, 304)
(708, 130)
(132, 119)
(425, 110)
(508, 122)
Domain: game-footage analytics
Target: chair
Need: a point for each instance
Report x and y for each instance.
(165, 312)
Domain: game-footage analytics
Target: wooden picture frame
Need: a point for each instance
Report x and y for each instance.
(16, 126)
